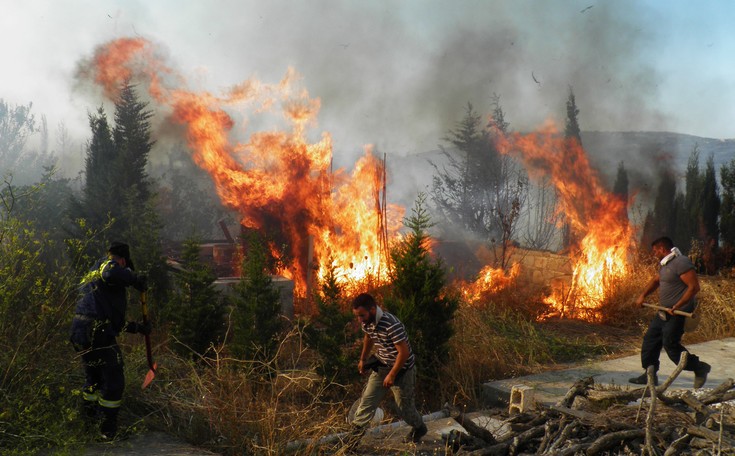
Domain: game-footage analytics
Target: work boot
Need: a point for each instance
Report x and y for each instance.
(643, 379)
(416, 434)
(108, 428)
(700, 374)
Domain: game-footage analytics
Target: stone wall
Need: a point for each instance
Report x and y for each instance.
(540, 268)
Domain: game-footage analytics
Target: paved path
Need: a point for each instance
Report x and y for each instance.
(549, 387)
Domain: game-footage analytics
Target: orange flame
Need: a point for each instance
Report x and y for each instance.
(596, 216)
(277, 181)
(489, 280)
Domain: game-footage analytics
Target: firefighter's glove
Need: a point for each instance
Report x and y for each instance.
(140, 328)
(142, 283)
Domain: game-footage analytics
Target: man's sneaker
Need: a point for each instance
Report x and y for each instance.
(700, 374)
(416, 434)
(643, 380)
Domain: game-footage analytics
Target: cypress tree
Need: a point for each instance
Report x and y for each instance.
(727, 211)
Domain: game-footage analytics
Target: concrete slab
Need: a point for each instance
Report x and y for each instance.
(549, 387)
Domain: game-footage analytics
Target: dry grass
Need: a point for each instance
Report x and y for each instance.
(244, 407)
(716, 310)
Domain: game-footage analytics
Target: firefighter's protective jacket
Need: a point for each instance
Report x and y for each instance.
(103, 303)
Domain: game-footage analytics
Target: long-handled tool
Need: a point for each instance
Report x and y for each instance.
(151, 365)
(666, 309)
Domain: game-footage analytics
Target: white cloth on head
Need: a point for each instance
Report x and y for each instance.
(675, 252)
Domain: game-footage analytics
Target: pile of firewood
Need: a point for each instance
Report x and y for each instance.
(592, 421)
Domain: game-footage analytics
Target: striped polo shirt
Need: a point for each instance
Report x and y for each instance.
(385, 333)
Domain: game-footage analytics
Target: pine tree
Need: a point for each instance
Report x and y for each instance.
(620, 189)
(132, 138)
(331, 334)
(417, 295)
(197, 308)
(257, 306)
(463, 190)
(99, 202)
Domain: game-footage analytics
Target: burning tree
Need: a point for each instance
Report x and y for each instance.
(600, 256)
(277, 180)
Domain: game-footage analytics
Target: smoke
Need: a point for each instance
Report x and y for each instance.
(399, 76)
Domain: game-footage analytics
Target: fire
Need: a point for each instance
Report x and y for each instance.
(597, 218)
(489, 280)
(277, 181)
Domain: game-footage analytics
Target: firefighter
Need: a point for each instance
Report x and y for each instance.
(99, 317)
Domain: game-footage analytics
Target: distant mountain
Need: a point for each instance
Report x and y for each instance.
(644, 154)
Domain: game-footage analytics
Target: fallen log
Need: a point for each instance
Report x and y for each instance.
(608, 441)
(472, 428)
(678, 445)
(712, 436)
(580, 388)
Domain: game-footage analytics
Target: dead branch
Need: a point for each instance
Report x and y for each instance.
(678, 445)
(650, 374)
(712, 436)
(717, 391)
(473, 429)
(703, 412)
(679, 367)
(608, 441)
(580, 388)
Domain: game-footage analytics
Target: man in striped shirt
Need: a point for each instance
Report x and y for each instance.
(395, 372)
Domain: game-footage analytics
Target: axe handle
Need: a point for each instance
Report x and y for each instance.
(148, 353)
(676, 312)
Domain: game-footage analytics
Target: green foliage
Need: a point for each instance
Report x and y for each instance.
(571, 129)
(464, 190)
(663, 216)
(620, 188)
(710, 203)
(331, 334)
(116, 184)
(132, 138)
(417, 296)
(37, 407)
(727, 209)
(197, 308)
(257, 306)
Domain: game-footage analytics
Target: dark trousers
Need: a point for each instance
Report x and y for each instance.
(104, 375)
(667, 335)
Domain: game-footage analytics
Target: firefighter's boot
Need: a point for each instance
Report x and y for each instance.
(108, 428)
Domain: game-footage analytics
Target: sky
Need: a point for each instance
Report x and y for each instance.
(399, 74)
